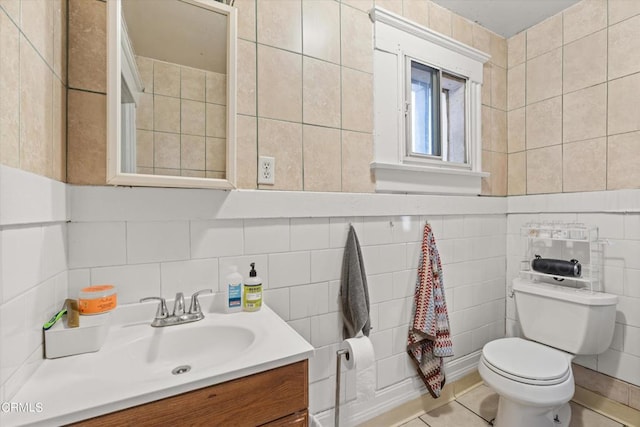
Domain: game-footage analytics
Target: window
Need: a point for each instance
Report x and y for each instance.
(427, 110)
(435, 114)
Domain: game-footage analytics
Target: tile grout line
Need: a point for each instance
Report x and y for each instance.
(472, 411)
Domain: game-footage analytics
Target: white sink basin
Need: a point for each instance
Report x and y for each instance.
(158, 351)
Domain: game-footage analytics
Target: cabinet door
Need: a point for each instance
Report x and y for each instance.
(299, 419)
(250, 401)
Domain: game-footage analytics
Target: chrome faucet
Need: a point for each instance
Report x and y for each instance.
(179, 316)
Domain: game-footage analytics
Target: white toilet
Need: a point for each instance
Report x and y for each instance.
(533, 376)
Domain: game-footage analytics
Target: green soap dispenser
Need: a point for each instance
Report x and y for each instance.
(252, 298)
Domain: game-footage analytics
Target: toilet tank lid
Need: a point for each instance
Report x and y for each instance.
(566, 293)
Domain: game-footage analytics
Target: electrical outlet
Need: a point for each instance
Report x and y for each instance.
(266, 170)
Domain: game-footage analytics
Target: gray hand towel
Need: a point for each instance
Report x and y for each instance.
(354, 293)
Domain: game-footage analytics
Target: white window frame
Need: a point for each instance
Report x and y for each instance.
(396, 39)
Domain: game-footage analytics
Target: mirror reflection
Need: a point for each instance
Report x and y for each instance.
(174, 89)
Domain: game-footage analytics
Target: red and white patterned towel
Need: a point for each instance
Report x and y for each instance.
(429, 336)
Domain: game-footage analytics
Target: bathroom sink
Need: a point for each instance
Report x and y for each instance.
(139, 363)
(156, 352)
(195, 347)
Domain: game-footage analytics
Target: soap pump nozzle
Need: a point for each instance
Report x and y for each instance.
(253, 272)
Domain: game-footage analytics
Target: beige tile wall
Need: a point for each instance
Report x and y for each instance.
(573, 84)
(494, 104)
(305, 91)
(181, 121)
(33, 95)
(87, 98)
(306, 87)
(609, 387)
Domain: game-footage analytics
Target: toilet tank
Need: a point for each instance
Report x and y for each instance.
(577, 321)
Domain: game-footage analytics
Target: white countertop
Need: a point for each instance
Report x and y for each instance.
(75, 388)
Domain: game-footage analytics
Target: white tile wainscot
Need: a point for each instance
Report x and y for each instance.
(33, 269)
(297, 241)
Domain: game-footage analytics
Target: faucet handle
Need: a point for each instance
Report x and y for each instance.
(162, 311)
(178, 305)
(195, 304)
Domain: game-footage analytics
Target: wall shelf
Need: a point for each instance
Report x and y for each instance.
(564, 241)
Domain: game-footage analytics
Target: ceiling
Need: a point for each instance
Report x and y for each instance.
(506, 17)
(178, 32)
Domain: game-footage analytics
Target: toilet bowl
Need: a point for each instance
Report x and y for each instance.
(533, 376)
(534, 382)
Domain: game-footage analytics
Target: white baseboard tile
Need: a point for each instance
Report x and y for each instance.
(459, 368)
(354, 413)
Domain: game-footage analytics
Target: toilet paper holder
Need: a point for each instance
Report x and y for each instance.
(339, 353)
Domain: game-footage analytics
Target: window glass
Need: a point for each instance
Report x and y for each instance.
(436, 123)
(453, 106)
(423, 111)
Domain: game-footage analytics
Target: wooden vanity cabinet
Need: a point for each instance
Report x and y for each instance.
(300, 419)
(275, 398)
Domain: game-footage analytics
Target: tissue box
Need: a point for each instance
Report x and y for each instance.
(60, 341)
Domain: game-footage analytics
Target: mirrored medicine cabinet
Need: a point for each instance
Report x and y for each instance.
(171, 93)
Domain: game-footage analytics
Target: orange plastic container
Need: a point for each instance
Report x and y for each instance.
(97, 299)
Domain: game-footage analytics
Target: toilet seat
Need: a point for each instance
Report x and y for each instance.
(526, 361)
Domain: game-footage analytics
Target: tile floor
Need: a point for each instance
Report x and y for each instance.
(478, 406)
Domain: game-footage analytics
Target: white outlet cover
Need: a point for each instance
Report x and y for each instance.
(266, 170)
